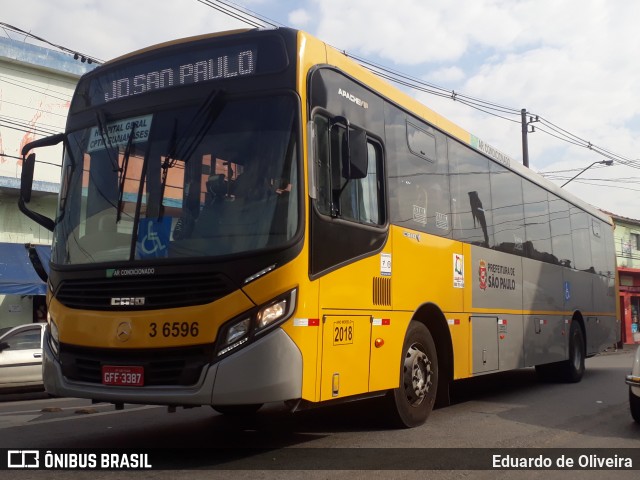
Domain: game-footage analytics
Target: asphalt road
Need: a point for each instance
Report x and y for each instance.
(511, 410)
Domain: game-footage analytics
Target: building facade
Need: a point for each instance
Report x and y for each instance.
(627, 238)
(36, 85)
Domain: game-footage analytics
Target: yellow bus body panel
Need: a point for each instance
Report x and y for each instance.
(432, 259)
(99, 329)
(295, 274)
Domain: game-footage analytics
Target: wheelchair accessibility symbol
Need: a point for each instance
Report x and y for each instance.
(153, 238)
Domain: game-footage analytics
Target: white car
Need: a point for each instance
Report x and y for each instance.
(633, 381)
(21, 357)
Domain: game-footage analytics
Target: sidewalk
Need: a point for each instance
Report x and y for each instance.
(626, 348)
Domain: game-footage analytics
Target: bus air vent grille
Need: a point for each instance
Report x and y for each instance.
(144, 293)
(166, 366)
(382, 291)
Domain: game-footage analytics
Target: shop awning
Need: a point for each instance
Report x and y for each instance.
(17, 275)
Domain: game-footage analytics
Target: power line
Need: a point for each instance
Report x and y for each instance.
(25, 129)
(41, 92)
(36, 109)
(56, 127)
(83, 57)
(236, 12)
(489, 108)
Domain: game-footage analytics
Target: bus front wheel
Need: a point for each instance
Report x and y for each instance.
(412, 402)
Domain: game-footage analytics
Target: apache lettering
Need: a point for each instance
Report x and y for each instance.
(353, 98)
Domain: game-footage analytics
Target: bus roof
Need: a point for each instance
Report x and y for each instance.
(382, 87)
(177, 41)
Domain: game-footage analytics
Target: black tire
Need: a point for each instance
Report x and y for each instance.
(634, 405)
(572, 369)
(411, 403)
(548, 372)
(237, 410)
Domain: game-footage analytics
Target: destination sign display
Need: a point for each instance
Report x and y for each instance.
(184, 68)
(201, 61)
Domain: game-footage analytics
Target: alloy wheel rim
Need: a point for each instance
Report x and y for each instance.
(416, 375)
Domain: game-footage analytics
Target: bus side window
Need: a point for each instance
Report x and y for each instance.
(355, 199)
(360, 200)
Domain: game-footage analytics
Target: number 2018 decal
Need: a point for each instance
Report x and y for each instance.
(343, 332)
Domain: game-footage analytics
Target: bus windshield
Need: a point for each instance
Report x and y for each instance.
(207, 180)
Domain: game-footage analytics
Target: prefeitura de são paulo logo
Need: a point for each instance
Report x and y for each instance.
(482, 274)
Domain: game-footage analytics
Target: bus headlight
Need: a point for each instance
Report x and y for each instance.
(272, 313)
(234, 335)
(243, 330)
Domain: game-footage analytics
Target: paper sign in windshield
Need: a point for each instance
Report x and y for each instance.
(118, 133)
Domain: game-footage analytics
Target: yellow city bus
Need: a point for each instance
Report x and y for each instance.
(251, 217)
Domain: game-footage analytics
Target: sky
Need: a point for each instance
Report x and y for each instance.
(572, 62)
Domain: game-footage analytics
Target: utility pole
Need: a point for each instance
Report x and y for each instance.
(525, 142)
(525, 131)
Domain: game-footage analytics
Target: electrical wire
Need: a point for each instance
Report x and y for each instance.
(54, 128)
(487, 107)
(233, 12)
(83, 57)
(33, 88)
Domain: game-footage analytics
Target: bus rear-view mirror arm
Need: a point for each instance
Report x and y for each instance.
(26, 178)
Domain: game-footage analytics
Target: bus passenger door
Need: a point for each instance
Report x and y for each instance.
(346, 341)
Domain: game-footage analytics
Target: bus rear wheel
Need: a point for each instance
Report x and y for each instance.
(572, 369)
(412, 402)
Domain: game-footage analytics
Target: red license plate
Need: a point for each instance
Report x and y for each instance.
(129, 376)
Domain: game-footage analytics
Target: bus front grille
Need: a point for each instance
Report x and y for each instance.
(143, 293)
(179, 366)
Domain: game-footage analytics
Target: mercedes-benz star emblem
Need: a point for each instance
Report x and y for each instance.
(123, 332)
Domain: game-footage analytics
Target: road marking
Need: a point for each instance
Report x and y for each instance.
(16, 419)
(9, 421)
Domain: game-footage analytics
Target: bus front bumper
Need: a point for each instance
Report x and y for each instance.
(268, 370)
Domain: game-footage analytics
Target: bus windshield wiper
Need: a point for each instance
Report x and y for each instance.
(123, 172)
(200, 123)
(101, 120)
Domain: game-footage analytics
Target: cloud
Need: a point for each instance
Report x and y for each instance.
(570, 62)
(109, 29)
(446, 75)
(299, 18)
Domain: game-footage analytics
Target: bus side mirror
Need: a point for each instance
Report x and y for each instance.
(353, 149)
(357, 158)
(26, 179)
